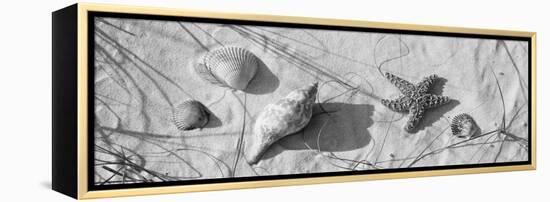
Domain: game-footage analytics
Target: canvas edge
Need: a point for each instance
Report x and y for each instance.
(64, 89)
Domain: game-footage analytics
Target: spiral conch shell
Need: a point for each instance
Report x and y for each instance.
(463, 125)
(275, 121)
(231, 67)
(189, 115)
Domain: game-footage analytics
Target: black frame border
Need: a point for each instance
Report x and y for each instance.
(91, 116)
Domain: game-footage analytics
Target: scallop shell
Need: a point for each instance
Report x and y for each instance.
(189, 115)
(463, 125)
(231, 67)
(275, 121)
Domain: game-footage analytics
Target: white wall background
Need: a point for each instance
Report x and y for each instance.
(25, 102)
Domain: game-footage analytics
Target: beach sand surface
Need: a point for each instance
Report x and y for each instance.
(144, 68)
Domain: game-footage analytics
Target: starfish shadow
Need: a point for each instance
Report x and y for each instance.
(438, 86)
(434, 114)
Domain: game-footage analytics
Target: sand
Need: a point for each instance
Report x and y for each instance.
(144, 68)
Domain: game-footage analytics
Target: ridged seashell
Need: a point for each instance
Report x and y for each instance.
(231, 67)
(463, 125)
(275, 121)
(190, 114)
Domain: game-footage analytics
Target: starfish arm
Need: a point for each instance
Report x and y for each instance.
(431, 101)
(416, 112)
(400, 104)
(404, 86)
(425, 84)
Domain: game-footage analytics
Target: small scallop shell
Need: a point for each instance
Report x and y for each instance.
(189, 115)
(287, 116)
(463, 125)
(231, 67)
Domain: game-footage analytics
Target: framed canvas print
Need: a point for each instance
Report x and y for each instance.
(156, 100)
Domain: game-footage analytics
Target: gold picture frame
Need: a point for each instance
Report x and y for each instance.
(77, 142)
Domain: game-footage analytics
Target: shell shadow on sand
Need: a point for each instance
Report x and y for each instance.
(264, 82)
(345, 129)
(214, 121)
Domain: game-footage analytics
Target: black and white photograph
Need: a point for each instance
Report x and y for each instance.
(275, 100)
(184, 100)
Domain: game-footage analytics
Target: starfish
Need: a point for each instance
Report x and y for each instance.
(415, 99)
